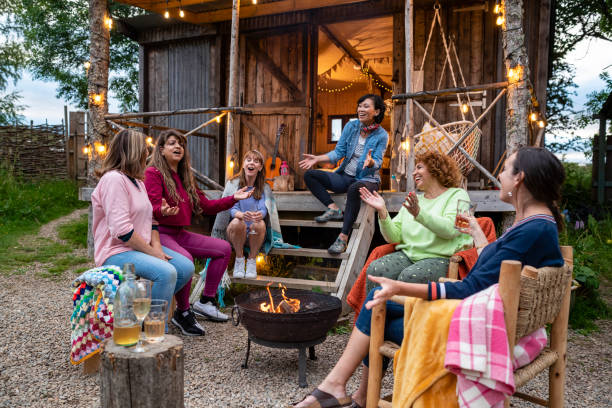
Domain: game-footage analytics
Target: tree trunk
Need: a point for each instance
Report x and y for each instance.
(150, 379)
(515, 56)
(233, 120)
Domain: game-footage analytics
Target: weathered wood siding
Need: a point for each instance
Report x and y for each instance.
(180, 75)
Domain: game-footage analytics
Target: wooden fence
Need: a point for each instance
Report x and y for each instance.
(34, 151)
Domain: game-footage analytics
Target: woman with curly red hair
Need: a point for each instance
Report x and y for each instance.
(424, 228)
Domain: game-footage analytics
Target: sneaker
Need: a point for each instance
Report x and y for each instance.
(209, 311)
(239, 268)
(187, 323)
(338, 247)
(330, 215)
(251, 269)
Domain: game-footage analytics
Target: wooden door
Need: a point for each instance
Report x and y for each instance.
(275, 85)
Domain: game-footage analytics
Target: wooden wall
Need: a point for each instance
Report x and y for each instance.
(183, 74)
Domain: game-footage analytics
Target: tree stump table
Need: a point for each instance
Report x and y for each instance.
(150, 379)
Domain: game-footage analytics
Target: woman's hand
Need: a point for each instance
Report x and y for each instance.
(473, 229)
(166, 210)
(389, 288)
(373, 199)
(255, 216)
(158, 252)
(308, 161)
(369, 161)
(242, 194)
(412, 204)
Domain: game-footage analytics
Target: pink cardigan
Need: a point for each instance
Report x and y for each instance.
(119, 206)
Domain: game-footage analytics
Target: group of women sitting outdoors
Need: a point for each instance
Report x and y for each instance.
(140, 214)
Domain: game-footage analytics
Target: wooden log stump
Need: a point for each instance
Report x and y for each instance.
(150, 379)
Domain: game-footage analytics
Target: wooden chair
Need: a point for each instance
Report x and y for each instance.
(544, 297)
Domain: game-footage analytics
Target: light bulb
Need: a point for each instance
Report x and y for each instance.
(500, 20)
(86, 150)
(465, 108)
(231, 164)
(87, 64)
(541, 124)
(100, 148)
(218, 119)
(108, 22)
(533, 116)
(181, 13)
(149, 140)
(260, 257)
(166, 14)
(254, 1)
(97, 98)
(496, 9)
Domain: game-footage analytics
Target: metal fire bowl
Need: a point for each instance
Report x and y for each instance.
(318, 313)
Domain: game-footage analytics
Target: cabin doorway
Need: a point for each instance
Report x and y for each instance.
(354, 58)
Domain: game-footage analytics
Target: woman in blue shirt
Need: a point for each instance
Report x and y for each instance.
(531, 181)
(362, 146)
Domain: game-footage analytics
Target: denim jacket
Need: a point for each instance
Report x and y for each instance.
(376, 141)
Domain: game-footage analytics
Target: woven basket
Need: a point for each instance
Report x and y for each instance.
(432, 139)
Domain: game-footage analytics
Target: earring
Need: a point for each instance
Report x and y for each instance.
(509, 193)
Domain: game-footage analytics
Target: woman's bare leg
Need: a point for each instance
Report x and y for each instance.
(360, 395)
(236, 235)
(335, 382)
(257, 240)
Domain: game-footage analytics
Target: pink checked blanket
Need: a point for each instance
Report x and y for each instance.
(477, 350)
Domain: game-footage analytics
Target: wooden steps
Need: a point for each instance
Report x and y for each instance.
(313, 224)
(262, 280)
(308, 252)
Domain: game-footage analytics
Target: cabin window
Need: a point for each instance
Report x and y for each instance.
(336, 124)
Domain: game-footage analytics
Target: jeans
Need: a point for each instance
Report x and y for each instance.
(168, 277)
(394, 322)
(319, 181)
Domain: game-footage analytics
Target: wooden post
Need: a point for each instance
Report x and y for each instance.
(601, 161)
(398, 119)
(516, 58)
(558, 340)
(138, 380)
(375, 371)
(231, 154)
(509, 281)
(409, 124)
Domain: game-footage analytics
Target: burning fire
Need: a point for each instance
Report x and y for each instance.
(287, 305)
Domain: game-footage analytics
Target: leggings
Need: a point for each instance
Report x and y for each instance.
(319, 181)
(194, 245)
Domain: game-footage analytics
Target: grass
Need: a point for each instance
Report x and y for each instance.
(25, 206)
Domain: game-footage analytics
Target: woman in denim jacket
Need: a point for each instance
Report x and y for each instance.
(362, 146)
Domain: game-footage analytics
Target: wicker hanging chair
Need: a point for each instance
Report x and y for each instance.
(432, 139)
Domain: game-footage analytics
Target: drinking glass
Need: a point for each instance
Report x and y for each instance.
(155, 322)
(142, 305)
(252, 208)
(464, 209)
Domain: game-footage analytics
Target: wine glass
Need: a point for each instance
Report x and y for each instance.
(142, 305)
(464, 209)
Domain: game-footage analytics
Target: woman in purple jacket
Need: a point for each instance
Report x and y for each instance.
(174, 196)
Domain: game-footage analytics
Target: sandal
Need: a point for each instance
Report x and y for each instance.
(326, 400)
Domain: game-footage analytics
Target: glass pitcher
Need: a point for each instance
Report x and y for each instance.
(126, 330)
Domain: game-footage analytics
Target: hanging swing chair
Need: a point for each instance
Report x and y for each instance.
(432, 138)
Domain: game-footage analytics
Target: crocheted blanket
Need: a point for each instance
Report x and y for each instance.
(92, 318)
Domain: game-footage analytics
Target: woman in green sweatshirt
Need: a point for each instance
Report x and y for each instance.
(424, 228)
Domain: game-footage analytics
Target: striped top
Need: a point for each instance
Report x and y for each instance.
(533, 241)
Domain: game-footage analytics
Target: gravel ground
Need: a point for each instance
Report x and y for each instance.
(35, 369)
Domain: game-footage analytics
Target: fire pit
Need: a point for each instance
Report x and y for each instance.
(287, 318)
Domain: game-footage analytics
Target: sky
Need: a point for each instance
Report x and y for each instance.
(589, 58)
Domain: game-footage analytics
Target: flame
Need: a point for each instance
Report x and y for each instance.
(293, 304)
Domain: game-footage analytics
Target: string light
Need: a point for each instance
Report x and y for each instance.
(87, 65)
(465, 108)
(97, 99)
(260, 258)
(218, 119)
(500, 20)
(181, 12)
(100, 148)
(533, 117)
(166, 14)
(231, 164)
(497, 8)
(514, 74)
(254, 1)
(149, 141)
(108, 22)
(541, 124)
(86, 150)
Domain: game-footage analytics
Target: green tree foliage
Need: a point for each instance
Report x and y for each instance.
(574, 21)
(56, 36)
(11, 62)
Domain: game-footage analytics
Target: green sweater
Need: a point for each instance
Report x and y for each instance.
(432, 233)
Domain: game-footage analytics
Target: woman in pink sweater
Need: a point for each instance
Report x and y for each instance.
(123, 226)
(174, 196)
